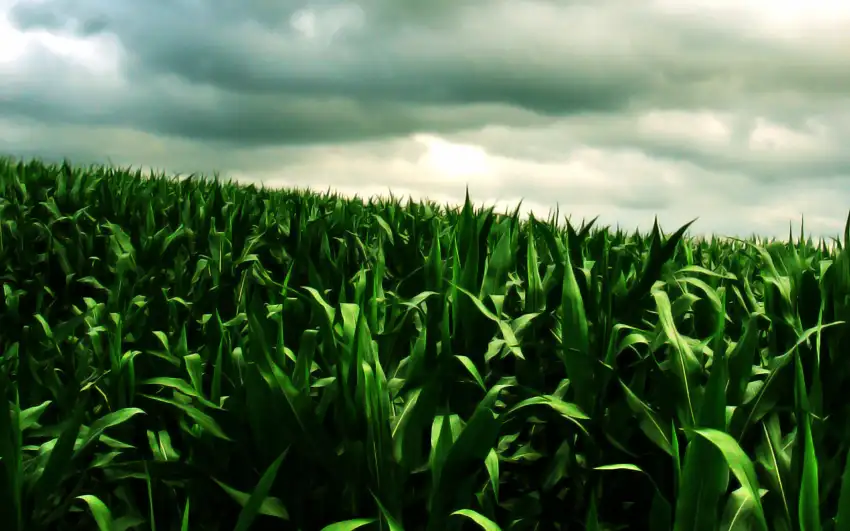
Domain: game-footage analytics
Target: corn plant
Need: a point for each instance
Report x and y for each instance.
(187, 353)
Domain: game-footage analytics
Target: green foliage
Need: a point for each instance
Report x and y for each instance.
(192, 354)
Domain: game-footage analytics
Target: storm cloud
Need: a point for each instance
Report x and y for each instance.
(734, 112)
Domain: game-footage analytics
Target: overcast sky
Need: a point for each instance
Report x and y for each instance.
(733, 111)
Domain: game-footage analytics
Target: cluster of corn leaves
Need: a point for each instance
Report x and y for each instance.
(192, 354)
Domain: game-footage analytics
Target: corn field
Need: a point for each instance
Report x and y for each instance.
(190, 354)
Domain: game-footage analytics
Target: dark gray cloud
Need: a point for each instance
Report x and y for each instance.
(259, 77)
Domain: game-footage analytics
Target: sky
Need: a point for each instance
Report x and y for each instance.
(734, 112)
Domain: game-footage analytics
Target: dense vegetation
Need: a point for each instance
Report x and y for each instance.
(191, 354)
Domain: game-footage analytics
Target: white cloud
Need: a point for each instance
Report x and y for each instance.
(771, 137)
(100, 54)
(454, 161)
(779, 19)
(698, 127)
(324, 23)
(12, 42)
